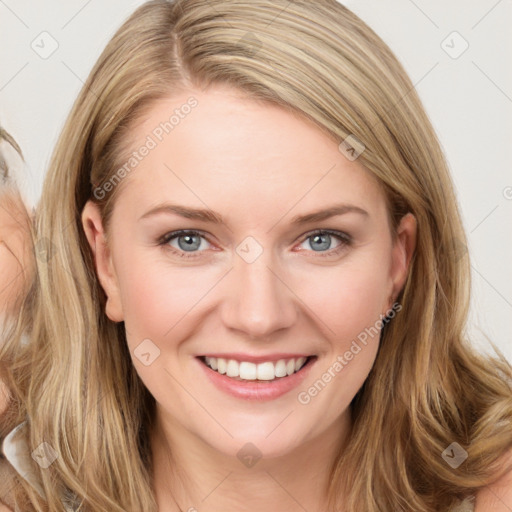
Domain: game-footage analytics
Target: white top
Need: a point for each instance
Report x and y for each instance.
(468, 505)
(16, 451)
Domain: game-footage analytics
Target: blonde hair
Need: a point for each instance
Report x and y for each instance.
(75, 382)
(4, 168)
(15, 210)
(15, 238)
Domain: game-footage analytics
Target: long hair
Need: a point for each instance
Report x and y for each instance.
(15, 228)
(74, 382)
(16, 264)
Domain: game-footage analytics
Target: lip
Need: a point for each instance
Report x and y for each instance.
(256, 359)
(256, 390)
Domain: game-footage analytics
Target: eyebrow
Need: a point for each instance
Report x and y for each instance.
(207, 215)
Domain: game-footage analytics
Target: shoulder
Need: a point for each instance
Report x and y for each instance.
(497, 497)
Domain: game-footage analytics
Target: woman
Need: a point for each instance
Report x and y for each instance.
(14, 226)
(15, 247)
(254, 296)
(15, 255)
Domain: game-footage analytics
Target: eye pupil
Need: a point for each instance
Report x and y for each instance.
(192, 242)
(324, 240)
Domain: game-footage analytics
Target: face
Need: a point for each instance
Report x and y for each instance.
(14, 250)
(243, 238)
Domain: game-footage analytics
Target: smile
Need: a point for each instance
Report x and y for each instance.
(245, 370)
(259, 378)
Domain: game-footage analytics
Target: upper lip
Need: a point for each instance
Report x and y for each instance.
(256, 359)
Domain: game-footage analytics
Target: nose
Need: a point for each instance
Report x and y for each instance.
(258, 302)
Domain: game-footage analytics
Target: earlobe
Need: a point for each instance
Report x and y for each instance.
(93, 229)
(403, 250)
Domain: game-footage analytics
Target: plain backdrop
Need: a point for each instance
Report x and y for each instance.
(457, 54)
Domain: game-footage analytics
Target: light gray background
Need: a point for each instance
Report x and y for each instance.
(468, 98)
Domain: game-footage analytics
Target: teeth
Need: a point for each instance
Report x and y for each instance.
(266, 371)
(250, 371)
(221, 365)
(232, 368)
(281, 368)
(247, 371)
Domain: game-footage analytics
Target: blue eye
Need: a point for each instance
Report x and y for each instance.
(187, 241)
(321, 241)
(191, 244)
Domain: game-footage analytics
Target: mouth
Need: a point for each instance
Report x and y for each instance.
(265, 371)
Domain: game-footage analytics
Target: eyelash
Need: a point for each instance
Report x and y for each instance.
(344, 238)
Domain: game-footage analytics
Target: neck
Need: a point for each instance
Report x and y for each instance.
(190, 475)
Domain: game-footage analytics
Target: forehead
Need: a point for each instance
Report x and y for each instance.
(227, 147)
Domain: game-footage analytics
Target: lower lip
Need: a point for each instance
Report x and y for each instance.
(261, 390)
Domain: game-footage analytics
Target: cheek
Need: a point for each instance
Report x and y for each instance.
(347, 299)
(348, 305)
(156, 296)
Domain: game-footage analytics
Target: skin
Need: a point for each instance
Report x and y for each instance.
(15, 268)
(497, 497)
(258, 166)
(238, 158)
(14, 249)
(14, 260)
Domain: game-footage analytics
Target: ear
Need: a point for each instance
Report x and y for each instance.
(93, 228)
(403, 249)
